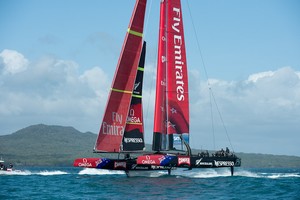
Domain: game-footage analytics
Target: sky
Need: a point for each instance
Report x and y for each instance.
(57, 60)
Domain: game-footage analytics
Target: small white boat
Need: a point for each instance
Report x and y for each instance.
(4, 167)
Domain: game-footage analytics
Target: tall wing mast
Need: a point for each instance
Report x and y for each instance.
(171, 123)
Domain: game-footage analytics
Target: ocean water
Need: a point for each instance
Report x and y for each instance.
(79, 183)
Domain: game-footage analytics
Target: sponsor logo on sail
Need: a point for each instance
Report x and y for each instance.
(113, 129)
(136, 85)
(132, 118)
(133, 140)
(179, 64)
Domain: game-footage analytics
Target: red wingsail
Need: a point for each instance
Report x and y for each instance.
(133, 139)
(160, 114)
(177, 81)
(115, 116)
(172, 101)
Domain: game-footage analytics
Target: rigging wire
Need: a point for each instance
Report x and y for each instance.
(212, 118)
(208, 83)
(221, 118)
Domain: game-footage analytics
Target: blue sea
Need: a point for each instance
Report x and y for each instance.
(79, 183)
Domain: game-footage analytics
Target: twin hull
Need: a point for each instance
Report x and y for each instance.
(158, 162)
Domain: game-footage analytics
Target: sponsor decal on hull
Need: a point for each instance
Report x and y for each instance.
(184, 160)
(161, 167)
(101, 163)
(158, 160)
(119, 165)
(86, 162)
(199, 163)
(224, 163)
(137, 167)
(150, 159)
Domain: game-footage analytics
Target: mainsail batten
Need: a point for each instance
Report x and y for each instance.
(115, 116)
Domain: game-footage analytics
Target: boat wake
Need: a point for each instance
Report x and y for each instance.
(179, 173)
(151, 174)
(202, 173)
(270, 175)
(93, 171)
(28, 173)
(215, 173)
(52, 173)
(195, 173)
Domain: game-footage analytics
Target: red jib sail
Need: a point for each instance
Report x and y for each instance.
(171, 119)
(133, 139)
(115, 116)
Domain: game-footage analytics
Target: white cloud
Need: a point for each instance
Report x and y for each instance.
(261, 113)
(96, 79)
(52, 91)
(12, 61)
(261, 75)
(257, 112)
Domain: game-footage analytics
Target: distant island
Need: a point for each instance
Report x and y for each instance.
(45, 145)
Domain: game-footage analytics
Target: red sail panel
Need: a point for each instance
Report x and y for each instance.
(133, 139)
(171, 118)
(114, 120)
(177, 80)
(160, 115)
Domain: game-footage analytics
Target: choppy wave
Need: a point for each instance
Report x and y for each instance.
(47, 182)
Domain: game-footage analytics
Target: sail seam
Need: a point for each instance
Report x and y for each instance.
(122, 91)
(134, 32)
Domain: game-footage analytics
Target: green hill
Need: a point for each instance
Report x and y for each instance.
(43, 145)
(46, 145)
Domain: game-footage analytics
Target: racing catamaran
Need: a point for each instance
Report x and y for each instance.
(122, 129)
